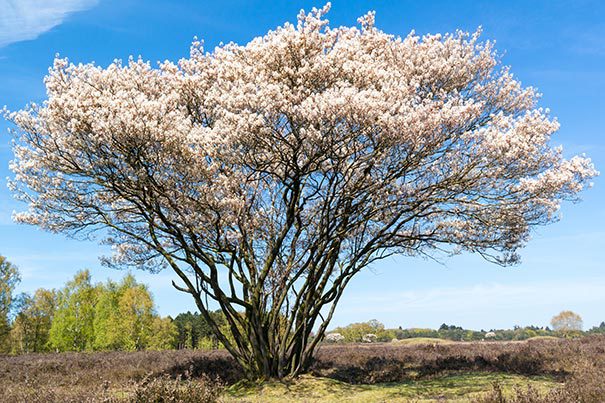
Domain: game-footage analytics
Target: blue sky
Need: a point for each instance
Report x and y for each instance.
(556, 46)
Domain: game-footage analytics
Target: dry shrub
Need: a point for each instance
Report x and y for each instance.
(520, 395)
(116, 376)
(387, 362)
(108, 376)
(148, 390)
(34, 391)
(166, 389)
(118, 367)
(584, 384)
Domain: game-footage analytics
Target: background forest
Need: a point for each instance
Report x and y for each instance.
(122, 316)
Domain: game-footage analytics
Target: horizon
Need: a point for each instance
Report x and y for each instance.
(545, 46)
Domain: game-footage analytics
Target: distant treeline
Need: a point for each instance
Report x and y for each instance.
(359, 332)
(83, 316)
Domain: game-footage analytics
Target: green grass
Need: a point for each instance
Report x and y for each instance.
(422, 340)
(535, 338)
(455, 388)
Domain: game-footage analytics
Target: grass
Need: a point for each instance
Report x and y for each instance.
(451, 388)
(422, 340)
(552, 338)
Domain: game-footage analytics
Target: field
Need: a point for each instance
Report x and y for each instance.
(541, 370)
(449, 387)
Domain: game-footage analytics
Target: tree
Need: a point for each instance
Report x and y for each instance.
(9, 278)
(267, 175)
(31, 328)
(163, 334)
(111, 316)
(355, 332)
(124, 316)
(193, 329)
(598, 329)
(566, 321)
(72, 327)
(136, 317)
(107, 318)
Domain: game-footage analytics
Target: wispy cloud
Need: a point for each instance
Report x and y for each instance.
(22, 20)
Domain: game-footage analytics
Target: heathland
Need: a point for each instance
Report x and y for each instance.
(535, 370)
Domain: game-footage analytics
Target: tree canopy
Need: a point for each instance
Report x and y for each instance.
(105, 316)
(267, 175)
(30, 331)
(9, 278)
(567, 321)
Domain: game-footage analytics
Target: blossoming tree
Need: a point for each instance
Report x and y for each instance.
(267, 175)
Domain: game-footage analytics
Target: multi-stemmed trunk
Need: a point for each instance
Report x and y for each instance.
(276, 341)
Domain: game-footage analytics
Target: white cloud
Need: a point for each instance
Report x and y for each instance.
(22, 20)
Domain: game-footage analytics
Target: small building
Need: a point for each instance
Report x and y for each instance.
(369, 338)
(334, 338)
